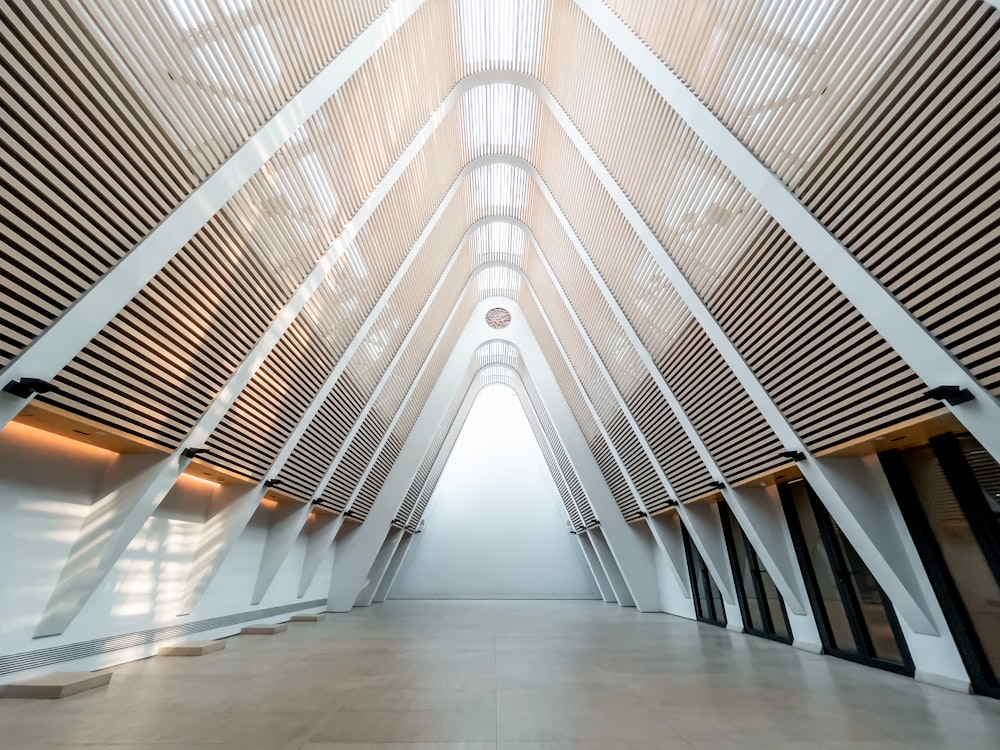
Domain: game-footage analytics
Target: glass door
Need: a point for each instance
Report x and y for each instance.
(855, 618)
(708, 606)
(949, 494)
(760, 602)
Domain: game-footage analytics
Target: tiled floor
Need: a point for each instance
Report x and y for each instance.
(504, 675)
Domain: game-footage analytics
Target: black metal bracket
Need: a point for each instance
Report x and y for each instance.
(953, 394)
(794, 455)
(27, 387)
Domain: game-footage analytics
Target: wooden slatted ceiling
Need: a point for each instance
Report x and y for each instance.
(566, 469)
(676, 455)
(788, 321)
(582, 503)
(248, 440)
(674, 451)
(577, 401)
(287, 254)
(114, 113)
(325, 435)
(920, 210)
(414, 405)
(363, 447)
(725, 419)
(400, 379)
(948, 111)
(620, 432)
(883, 117)
(157, 366)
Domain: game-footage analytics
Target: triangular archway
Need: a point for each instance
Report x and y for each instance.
(476, 542)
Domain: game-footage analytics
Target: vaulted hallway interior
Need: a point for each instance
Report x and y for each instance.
(733, 264)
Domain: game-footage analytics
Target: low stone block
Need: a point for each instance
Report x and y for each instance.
(264, 629)
(308, 618)
(192, 648)
(55, 685)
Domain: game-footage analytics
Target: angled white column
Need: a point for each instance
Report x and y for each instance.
(324, 391)
(787, 578)
(610, 567)
(287, 522)
(133, 487)
(632, 555)
(874, 505)
(321, 530)
(356, 555)
(672, 562)
(600, 577)
(51, 351)
(379, 568)
(385, 585)
(704, 534)
(218, 536)
(925, 355)
(758, 512)
(703, 519)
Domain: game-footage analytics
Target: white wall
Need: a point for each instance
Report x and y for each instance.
(47, 484)
(495, 525)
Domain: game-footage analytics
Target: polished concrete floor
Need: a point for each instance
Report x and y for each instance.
(505, 675)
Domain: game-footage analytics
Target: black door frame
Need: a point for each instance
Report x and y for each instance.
(981, 675)
(865, 653)
(767, 621)
(712, 616)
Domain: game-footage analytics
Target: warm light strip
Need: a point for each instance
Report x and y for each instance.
(45, 441)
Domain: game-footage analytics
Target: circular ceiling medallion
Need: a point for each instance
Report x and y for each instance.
(498, 318)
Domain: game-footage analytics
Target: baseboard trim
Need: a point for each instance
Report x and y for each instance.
(812, 648)
(45, 657)
(943, 681)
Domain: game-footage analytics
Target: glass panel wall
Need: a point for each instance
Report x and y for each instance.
(760, 602)
(855, 618)
(708, 604)
(949, 494)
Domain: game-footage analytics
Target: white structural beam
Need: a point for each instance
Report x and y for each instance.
(702, 533)
(606, 558)
(321, 530)
(924, 354)
(51, 351)
(218, 536)
(395, 565)
(622, 536)
(594, 562)
(287, 522)
(379, 567)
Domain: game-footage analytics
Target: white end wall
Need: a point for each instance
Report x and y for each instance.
(495, 525)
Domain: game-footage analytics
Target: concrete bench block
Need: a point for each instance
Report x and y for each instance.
(308, 618)
(55, 685)
(264, 629)
(192, 648)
